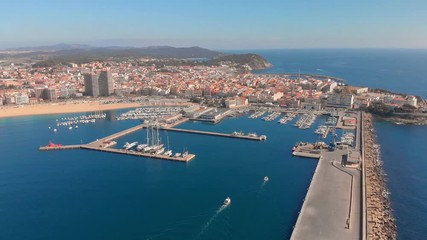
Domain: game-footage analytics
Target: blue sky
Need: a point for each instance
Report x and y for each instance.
(219, 24)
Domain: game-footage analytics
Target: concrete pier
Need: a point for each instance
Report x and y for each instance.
(333, 207)
(257, 138)
(65, 147)
(187, 158)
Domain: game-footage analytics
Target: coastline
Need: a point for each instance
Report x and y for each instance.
(399, 120)
(380, 220)
(60, 108)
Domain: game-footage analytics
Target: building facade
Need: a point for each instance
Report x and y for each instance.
(100, 84)
(105, 83)
(91, 85)
(340, 100)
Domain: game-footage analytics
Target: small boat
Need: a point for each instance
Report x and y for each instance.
(265, 179)
(70, 128)
(76, 126)
(168, 153)
(227, 201)
(177, 155)
(184, 154)
(54, 130)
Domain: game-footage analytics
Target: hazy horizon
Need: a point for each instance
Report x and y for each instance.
(216, 24)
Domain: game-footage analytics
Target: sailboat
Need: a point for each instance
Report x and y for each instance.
(168, 152)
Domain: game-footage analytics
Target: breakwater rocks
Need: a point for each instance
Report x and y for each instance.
(381, 223)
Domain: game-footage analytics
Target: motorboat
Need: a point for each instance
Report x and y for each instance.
(227, 201)
(265, 179)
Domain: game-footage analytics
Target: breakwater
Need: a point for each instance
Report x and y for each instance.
(380, 220)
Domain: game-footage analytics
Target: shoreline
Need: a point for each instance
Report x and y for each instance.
(399, 120)
(62, 108)
(380, 221)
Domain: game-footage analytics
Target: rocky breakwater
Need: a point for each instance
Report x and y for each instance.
(381, 223)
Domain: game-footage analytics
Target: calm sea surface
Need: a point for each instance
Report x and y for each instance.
(78, 194)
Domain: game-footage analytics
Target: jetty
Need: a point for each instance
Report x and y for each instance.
(332, 207)
(185, 158)
(105, 144)
(65, 147)
(246, 137)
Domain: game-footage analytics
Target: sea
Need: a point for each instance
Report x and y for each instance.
(80, 194)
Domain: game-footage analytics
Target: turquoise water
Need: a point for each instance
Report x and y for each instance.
(78, 194)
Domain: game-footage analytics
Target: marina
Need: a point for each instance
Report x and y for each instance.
(272, 116)
(153, 148)
(287, 118)
(149, 113)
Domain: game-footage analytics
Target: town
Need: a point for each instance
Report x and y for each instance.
(223, 85)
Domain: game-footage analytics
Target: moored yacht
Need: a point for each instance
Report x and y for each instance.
(168, 153)
(160, 151)
(140, 147)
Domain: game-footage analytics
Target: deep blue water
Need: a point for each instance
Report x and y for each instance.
(399, 70)
(405, 162)
(80, 194)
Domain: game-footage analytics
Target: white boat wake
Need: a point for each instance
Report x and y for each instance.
(208, 223)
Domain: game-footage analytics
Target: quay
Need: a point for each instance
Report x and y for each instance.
(333, 207)
(187, 158)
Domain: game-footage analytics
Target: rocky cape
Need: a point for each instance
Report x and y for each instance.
(249, 61)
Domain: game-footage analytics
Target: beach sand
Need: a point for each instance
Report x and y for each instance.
(62, 107)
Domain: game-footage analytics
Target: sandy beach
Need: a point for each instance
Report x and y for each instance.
(62, 107)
